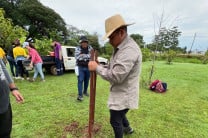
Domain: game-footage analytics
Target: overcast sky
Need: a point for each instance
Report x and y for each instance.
(189, 15)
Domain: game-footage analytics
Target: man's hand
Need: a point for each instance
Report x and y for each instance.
(18, 96)
(92, 65)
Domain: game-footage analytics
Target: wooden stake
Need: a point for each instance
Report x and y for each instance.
(93, 78)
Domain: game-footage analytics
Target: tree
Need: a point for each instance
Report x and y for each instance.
(40, 19)
(8, 32)
(108, 49)
(139, 39)
(168, 41)
(74, 34)
(167, 38)
(93, 41)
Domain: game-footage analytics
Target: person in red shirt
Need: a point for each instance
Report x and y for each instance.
(36, 60)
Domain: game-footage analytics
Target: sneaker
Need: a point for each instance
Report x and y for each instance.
(28, 78)
(43, 80)
(79, 98)
(22, 78)
(86, 94)
(17, 78)
(31, 80)
(128, 130)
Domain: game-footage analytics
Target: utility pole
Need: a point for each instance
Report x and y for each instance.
(192, 43)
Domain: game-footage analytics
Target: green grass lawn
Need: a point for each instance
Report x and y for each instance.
(50, 107)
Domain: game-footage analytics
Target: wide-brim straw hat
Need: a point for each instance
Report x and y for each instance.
(112, 23)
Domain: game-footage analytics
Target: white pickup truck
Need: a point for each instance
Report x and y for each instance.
(69, 61)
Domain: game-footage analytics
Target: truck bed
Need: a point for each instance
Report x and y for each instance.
(48, 61)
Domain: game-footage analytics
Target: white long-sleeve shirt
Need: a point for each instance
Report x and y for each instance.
(123, 74)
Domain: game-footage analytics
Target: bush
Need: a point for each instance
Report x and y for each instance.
(191, 58)
(170, 54)
(43, 46)
(146, 54)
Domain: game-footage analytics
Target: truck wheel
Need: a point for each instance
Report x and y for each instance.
(53, 70)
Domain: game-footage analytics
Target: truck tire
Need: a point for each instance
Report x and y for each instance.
(53, 70)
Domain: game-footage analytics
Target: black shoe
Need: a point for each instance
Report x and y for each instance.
(80, 98)
(86, 94)
(128, 130)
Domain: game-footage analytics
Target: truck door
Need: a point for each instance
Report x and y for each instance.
(69, 59)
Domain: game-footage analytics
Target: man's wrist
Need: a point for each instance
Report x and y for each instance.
(12, 89)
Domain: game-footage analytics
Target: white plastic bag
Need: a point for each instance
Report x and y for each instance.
(76, 70)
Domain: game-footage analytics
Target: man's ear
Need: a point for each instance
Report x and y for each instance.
(122, 33)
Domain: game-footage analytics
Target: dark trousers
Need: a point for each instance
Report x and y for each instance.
(59, 67)
(21, 69)
(12, 65)
(6, 123)
(118, 120)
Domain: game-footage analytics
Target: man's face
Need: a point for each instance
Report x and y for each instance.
(84, 44)
(114, 38)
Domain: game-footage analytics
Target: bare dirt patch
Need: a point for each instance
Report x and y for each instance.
(78, 131)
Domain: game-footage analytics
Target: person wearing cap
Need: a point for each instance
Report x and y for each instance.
(82, 56)
(122, 72)
(20, 55)
(36, 60)
(58, 57)
(7, 85)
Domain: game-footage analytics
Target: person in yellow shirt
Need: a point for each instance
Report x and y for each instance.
(3, 55)
(19, 56)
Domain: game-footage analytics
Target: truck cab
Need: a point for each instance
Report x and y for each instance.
(69, 60)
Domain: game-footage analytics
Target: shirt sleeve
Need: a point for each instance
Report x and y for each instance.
(8, 77)
(120, 69)
(80, 56)
(77, 53)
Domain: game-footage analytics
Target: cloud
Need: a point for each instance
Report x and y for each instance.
(90, 15)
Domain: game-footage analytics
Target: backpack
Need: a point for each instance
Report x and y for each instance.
(158, 86)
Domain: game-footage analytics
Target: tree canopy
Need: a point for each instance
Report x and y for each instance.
(167, 38)
(37, 18)
(9, 32)
(139, 39)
